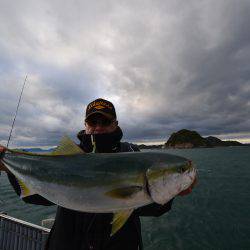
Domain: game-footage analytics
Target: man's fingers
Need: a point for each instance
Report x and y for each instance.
(2, 148)
(185, 192)
(189, 190)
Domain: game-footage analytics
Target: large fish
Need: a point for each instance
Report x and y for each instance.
(101, 183)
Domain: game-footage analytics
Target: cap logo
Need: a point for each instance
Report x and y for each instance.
(99, 105)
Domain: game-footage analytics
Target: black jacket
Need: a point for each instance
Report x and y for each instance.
(73, 230)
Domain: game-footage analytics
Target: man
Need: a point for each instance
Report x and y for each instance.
(73, 230)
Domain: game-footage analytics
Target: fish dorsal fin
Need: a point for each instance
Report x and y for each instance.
(67, 147)
(119, 219)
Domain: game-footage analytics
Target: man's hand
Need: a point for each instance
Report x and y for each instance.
(2, 167)
(188, 190)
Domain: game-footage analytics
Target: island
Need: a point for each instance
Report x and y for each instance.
(185, 138)
(191, 139)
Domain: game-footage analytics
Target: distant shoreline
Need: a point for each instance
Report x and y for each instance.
(184, 139)
(143, 146)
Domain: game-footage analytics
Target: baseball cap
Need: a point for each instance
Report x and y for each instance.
(101, 106)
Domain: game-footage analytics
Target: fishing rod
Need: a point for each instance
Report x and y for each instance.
(20, 97)
(13, 123)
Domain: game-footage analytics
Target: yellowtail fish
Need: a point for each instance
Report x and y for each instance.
(100, 183)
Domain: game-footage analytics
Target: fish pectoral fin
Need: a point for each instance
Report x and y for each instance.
(119, 219)
(124, 192)
(67, 147)
(25, 191)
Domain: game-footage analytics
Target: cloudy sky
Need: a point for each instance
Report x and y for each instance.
(166, 65)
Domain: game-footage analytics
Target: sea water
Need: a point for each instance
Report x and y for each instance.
(216, 215)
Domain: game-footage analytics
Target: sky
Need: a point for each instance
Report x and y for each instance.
(166, 65)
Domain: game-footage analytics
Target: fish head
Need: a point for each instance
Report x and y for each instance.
(165, 181)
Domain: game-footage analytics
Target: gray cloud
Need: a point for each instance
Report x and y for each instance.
(166, 65)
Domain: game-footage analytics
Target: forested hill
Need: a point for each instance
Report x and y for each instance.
(191, 139)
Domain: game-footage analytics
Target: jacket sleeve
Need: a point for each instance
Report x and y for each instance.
(33, 199)
(154, 209)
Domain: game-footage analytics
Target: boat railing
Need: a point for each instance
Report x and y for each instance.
(17, 234)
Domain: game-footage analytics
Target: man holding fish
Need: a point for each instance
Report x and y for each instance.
(93, 225)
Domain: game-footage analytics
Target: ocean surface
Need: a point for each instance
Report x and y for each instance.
(216, 215)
